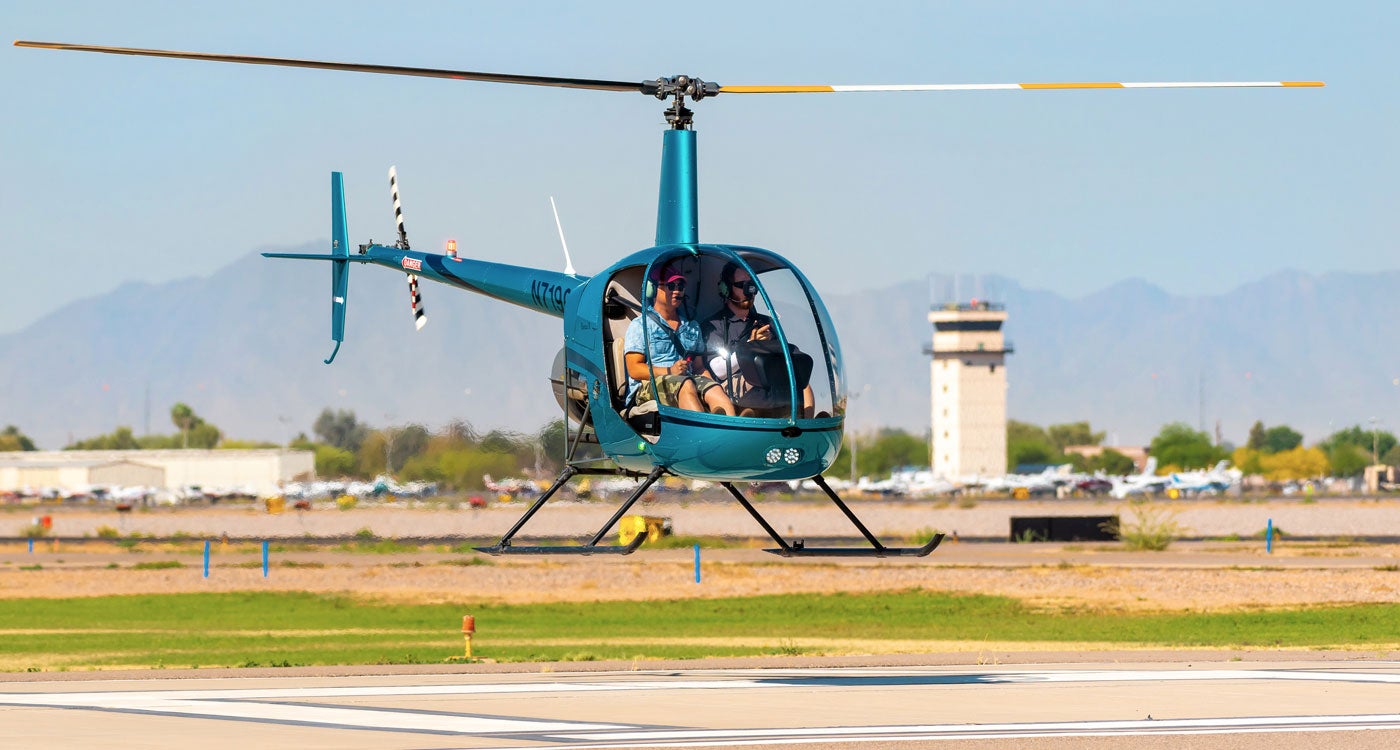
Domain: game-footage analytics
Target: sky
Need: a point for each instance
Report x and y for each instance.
(123, 169)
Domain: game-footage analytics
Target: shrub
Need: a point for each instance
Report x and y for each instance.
(158, 565)
(1149, 529)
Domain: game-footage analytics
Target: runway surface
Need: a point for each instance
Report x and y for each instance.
(1276, 704)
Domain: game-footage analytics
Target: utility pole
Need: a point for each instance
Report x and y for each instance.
(1374, 435)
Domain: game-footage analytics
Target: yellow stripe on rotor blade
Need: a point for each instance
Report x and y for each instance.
(776, 89)
(1304, 83)
(1071, 85)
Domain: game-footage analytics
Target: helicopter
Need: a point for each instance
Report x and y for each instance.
(796, 433)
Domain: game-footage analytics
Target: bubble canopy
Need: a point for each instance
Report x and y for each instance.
(765, 336)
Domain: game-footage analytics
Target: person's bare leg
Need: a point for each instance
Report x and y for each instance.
(688, 398)
(718, 401)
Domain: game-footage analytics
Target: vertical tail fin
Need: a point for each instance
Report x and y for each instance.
(340, 267)
(339, 257)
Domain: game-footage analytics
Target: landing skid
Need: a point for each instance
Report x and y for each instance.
(504, 547)
(799, 549)
(787, 549)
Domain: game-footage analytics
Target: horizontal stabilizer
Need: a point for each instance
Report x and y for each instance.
(314, 256)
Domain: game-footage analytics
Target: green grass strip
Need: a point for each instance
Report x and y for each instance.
(286, 629)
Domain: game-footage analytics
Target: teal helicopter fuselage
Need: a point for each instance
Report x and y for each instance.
(796, 440)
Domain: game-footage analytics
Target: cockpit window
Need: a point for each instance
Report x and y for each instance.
(765, 341)
(728, 331)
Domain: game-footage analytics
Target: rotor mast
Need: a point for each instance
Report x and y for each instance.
(678, 210)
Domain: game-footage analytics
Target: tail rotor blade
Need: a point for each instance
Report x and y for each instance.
(420, 318)
(398, 207)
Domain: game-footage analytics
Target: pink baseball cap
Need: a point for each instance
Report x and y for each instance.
(666, 274)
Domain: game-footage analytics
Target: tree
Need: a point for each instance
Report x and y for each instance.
(1348, 460)
(1247, 460)
(194, 431)
(1074, 433)
(1030, 452)
(1298, 463)
(1029, 444)
(1281, 438)
(330, 460)
(1025, 431)
(11, 439)
(1256, 437)
(1177, 444)
(1363, 439)
(183, 417)
(119, 439)
(891, 450)
(1113, 463)
(340, 429)
(1392, 457)
(406, 443)
(502, 441)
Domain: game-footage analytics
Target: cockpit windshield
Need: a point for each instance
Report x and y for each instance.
(758, 340)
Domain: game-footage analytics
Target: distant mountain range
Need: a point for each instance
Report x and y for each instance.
(244, 348)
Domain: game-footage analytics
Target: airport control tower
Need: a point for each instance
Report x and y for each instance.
(969, 389)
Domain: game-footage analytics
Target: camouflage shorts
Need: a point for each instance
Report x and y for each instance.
(669, 386)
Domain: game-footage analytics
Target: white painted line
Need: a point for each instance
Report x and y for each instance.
(264, 705)
(761, 680)
(1287, 723)
(967, 735)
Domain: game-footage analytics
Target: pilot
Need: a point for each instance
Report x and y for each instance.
(677, 351)
(736, 323)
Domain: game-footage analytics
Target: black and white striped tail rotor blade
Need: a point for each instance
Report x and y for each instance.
(398, 207)
(420, 318)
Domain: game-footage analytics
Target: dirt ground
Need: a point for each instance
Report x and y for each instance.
(1189, 576)
(1192, 575)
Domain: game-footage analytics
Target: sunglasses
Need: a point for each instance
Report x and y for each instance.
(675, 286)
(748, 287)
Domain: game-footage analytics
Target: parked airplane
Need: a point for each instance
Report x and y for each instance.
(1217, 479)
(1045, 482)
(1146, 483)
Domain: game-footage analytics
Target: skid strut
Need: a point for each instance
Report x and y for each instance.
(504, 546)
(799, 549)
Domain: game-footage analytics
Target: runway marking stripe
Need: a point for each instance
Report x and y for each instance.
(260, 705)
(1391, 721)
(764, 680)
(971, 734)
(356, 718)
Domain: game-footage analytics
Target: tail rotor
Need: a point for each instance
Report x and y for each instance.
(420, 318)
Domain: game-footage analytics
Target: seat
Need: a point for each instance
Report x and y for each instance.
(644, 418)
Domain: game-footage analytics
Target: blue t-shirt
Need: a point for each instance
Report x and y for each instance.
(663, 352)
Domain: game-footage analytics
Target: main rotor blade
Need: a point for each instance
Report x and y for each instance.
(461, 75)
(1009, 86)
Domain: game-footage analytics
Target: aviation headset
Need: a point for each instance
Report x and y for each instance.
(726, 279)
(653, 278)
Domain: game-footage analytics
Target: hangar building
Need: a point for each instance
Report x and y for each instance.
(261, 471)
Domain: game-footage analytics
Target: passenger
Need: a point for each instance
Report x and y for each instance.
(677, 351)
(734, 324)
